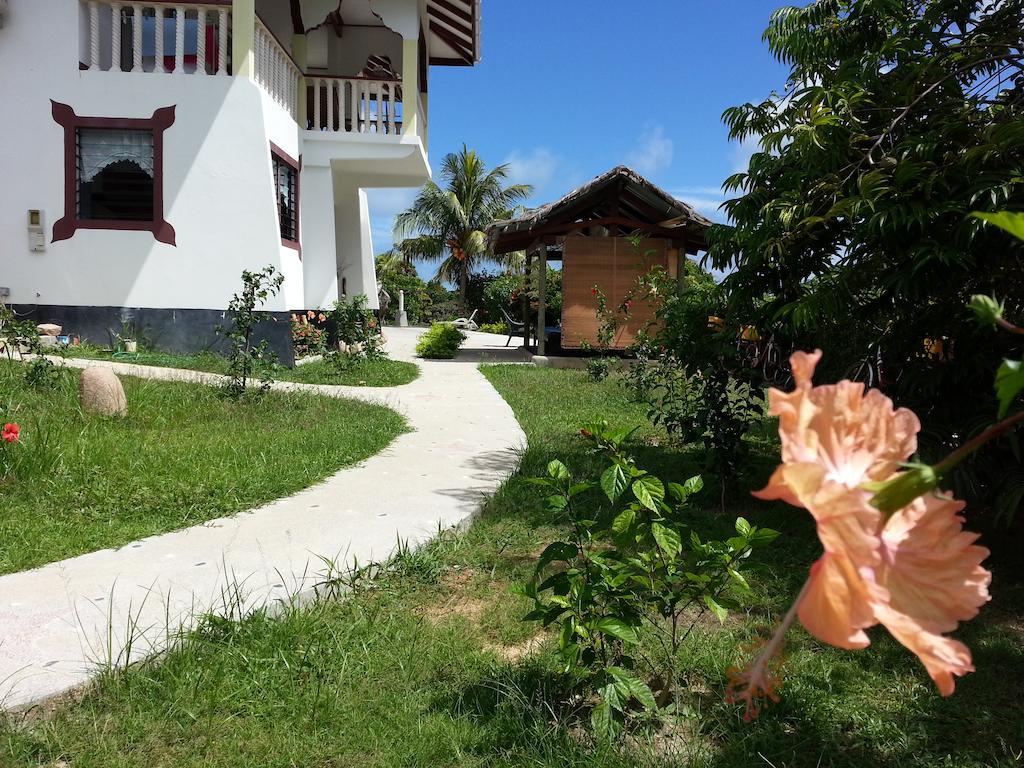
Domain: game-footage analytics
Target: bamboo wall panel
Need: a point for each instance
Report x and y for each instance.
(613, 264)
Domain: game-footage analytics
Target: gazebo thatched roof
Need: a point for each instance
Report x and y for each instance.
(620, 201)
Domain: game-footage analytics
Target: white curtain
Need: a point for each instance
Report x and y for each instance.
(100, 147)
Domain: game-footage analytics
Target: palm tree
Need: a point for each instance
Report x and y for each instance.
(447, 224)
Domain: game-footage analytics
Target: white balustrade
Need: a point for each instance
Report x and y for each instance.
(144, 28)
(276, 72)
(354, 105)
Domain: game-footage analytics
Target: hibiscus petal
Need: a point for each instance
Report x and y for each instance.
(834, 607)
(931, 566)
(943, 657)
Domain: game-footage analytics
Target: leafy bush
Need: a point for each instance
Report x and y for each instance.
(24, 335)
(500, 328)
(440, 342)
(850, 227)
(356, 334)
(247, 360)
(356, 330)
(308, 337)
(634, 565)
(709, 406)
(397, 276)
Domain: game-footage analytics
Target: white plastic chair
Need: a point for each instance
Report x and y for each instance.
(467, 323)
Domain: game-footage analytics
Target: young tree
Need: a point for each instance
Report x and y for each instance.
(851, 227)
(446, 223)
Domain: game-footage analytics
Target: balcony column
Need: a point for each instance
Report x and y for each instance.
(243, 31)
(410, 86)
(321, 285)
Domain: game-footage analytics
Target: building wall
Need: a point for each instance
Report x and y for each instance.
(613, 264)
(217, 185)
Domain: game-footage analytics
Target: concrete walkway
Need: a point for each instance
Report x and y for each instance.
(62, 622)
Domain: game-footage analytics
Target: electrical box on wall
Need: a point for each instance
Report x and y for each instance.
(36, 236)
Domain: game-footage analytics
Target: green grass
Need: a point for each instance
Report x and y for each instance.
(182, 456)
(420, 669)
(363, 373)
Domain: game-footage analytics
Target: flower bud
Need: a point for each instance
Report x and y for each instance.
(987, 308)
(901, 489)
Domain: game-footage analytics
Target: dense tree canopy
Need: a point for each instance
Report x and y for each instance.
(851, 225)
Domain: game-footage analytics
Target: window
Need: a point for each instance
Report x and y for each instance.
(286, 193)
(113, 173)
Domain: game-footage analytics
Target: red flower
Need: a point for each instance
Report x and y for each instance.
(594, 290)
(11, 433)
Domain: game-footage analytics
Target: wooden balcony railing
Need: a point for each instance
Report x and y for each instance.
(157, 36)
(353, 105)
(276, 71)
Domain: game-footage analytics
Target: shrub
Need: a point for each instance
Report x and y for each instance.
(247, 360)
(356, 334)
(401, 276)
(632, 565)
(494, 328)
(440, 342)
(308, 338)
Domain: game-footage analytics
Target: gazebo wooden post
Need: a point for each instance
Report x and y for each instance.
(526, 301)
(681, 271)
(542, 284)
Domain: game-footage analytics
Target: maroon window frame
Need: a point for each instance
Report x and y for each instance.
(66, 227)
(278, 154)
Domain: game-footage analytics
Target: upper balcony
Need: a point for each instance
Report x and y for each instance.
(356, 77)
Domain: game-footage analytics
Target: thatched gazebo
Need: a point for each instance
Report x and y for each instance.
(591, 231)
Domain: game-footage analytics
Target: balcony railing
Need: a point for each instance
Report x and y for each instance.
(353, 105)
(276, 71)
(160, 37)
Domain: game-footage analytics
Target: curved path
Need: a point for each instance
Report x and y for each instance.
(62, 622)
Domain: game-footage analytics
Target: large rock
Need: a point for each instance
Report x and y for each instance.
(100, 391)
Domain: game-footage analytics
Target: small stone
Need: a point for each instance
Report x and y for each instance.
(49, 329)
(100, 391)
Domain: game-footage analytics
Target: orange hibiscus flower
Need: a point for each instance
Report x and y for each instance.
(916, 572)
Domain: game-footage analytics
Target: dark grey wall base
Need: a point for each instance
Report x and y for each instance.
(168, 330)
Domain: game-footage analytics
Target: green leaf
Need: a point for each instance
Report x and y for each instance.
(616, 627)
(742, 526)
(625, 682)
(557, 503)
(676, 491)
(558, 470)
(559, 550)
(614, 482)
(649, 491)
(603, 722)
(1005, 220)
(667, 539)
(716, 609)
(739, 579)
(694, 485)
(1009, 383)
(762, 536)
(624, 520)
(579, 488)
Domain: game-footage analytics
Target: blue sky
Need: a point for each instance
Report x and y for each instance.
(570, 88)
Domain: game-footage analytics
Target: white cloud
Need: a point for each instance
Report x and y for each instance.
(536, 167)
(705, 199)
(654, 152)
(742, 151)
(385, 204)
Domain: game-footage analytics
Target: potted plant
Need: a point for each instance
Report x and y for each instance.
(127, 339)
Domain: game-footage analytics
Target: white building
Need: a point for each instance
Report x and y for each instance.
(152, 151)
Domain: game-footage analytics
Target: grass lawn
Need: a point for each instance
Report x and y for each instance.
(364, 373)
(182, 456)
(430, 666)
